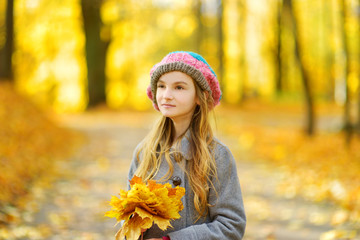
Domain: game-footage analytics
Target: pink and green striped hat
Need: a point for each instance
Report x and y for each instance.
(193, 65)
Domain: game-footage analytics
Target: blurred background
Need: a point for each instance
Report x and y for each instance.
(73, 106)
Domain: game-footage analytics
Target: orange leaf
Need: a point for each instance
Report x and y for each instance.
(144, 205)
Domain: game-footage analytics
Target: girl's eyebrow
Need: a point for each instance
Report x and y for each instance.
(178, 82)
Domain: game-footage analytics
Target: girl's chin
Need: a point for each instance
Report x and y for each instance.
(166, 111)
(168, 114)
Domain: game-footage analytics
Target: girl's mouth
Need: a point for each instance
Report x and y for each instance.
(167, 105)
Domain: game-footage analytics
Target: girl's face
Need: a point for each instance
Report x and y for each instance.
(176, 96)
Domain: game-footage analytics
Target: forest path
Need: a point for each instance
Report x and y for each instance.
(74, 208)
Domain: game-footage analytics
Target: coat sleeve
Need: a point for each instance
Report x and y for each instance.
(227, 215)
(133, 166)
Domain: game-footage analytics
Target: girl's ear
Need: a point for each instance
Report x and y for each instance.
(197, 100)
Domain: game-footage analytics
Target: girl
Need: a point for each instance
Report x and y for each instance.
(181, 150)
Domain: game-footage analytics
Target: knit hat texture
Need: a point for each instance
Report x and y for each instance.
(193, 65)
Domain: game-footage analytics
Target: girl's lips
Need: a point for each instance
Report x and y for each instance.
(167, 105)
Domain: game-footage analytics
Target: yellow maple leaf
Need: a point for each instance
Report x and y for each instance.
(144, 205)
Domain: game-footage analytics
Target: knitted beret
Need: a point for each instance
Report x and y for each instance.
(193, 65)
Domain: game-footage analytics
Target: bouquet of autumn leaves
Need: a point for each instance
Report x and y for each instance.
(145, 204)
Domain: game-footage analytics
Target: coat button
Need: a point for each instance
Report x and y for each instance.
(176, 180)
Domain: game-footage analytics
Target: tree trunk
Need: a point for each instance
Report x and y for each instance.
(95, 52)
(221, 42)
(347, 121)
(200, 30)
(278, 71)
(6, 52)
(304, 74)
(241, 6)
(358, 110)
(327, 26)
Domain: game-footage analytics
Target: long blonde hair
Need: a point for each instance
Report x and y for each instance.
(202, 169)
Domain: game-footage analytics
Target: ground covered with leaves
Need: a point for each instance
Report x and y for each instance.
(322, 169)
(31, 145)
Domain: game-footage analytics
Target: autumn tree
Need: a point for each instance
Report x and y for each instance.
(358, 120)
(6, 72)
(347, 120)
(199, 32)
(326, 30)
(277, 50)
(96, 49)
(220, 17)
(287, 4)
(241, 7)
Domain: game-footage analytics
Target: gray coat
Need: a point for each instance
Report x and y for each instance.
(225, 220)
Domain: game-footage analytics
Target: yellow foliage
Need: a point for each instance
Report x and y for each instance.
(318, 168)
(145, 204)
(186, 26)
(338, 234)
(30, 145)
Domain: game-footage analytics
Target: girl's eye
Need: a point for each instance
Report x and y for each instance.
(160, 86)
(179, 87)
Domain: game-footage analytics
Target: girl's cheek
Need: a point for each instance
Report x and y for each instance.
(158, 94)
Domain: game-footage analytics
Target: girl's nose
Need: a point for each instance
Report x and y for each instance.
(168, 93)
